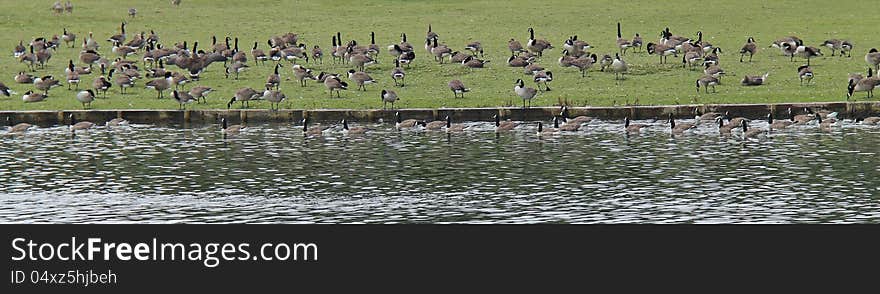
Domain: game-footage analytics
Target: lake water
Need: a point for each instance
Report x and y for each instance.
(272, 174)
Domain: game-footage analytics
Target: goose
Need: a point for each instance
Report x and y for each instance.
(115, 122)
(68, 38)
(459, 57)
(31, 96)
(622, 43)
(706, 82)
(352, 131)
(722, 128)
(791, 40)
(5, 90)
(618, 66)
(825, 125)
(373, 49)
(440, 51)
(527, 94)
(77, 126)
(872, 120)
(532, 68)
(275, 98)
(160, 85)
(68, 7)
(584, 63)
(175, 2)
(318, 54)
(749, 48)
(548, 131)
(30, 58)
(714, 70)
(632, 128)
(669, 39)
(258, 54)
(72, 76)
(407, 57)
(712, 57)
(360, 78)
(692, 58)
(453, 128)
(313, 131)
(503, 126)
(89, 57)
(734, 121)
(182, 98)
(518, 61)
(398, 74)
(569, 126)
(777, 124)
(122, 81)
(474, 47)
(404, 124)
(19, 128)
(681, 127)
(471, 62)
(24, 78)
(200, 93)
(274, 79)
(86, 97)
(749, 132)
(575, 47)
(236, 68)
(243, 95)
(457, 87)
(395, 50)
(301, 74)
(45, 84)
(388, 96)
(801, 118)
(431, 34)
(805, 73)
(661, 50)
(873, 58)
(334, 84)
(579, 119)
(43, 56)
(57, 7)
(118, 38)
(754, 80)
(543, 77)
(293, 53)
(844, 46)
(19, 50)
(406, 46)
(866, 84)
(338, 50)
(434, 125)
(230, 130)
(808, 52)
(537, 46)
(564, 61)
(514, 46)
(360, 61)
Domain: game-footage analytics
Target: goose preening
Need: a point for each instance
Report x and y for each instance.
(388, 96)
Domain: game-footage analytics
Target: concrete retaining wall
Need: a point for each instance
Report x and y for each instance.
(139, 116)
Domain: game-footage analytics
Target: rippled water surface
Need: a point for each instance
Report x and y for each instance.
(271, 173)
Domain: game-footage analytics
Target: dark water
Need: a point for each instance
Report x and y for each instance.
(271, 173)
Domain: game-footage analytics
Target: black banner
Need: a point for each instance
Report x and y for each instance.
(417, 258)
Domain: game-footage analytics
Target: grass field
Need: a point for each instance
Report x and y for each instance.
(724, 23)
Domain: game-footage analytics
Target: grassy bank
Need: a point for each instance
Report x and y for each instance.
(725, 24)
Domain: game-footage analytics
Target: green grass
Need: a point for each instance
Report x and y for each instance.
(724, 23)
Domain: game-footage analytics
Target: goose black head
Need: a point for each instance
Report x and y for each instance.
(850, 88)
(229, 104)
(223, 123)
(556, 122)
(344, 124)
(448, 122)
(626, 122)
(397, 117)
(497, 120)
(770, 118)
(72, 119)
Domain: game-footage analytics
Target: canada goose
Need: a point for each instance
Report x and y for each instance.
(622, 43)
(200, 93)
(122, 81)
(24, 78)
(45, 84)
(749, 48)
(866, 84)
(661, 50)
(68, 38)
(117, 121)
(754, 80)
(503, 126)
(77, 126)
(548, 131)
(318, 54)
(72, 76)
(632, 128)
(86, 97)
(338, 50)
(618, 66)
(230, 130)
(301, 74)
(808, 52)
(474, 47)
(258, 54)
(293, 53)
(19, 49)
(543, 77)
(777, 124)
(333, 83)
(313, 131)
(440, 51)
(57, 8)
(31, 96)
(791, 40)
(459, 57)
(584, 63)
(395, 50)
(243, 95)
(398, 74)
(29, 58)
(564, 61)
(431, 34)
(407, 57)
(844, 46)
(537, 46)
(471, 62)
(457, 87)
(801, 118)
(118, 38)
(527, 94)
(514, 46)
(734, 121)
(132, 12)
(681, 127)
(873, 58)
(5, 90)
(17, 128)
(360, 61)
(518, 61)
(872, 120)
(825, 125)
(43, 57)
(722, 128)
(706, 82)
(360, 78)
(175, 2)
(388, 96)
(236, 68)
(182, 98)
(575, 47)
(568, 126)
(68, 7)
(668, 39)
(275, 98)
(749, 132)
(404, 124)
(352, 131)
(714, 71)
(579, 119)
(805, 73)
(532, 68)
(160, 84)
(274, 79)
(406, 46)
(691, 59)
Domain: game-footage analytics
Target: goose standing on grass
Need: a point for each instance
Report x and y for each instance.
(503, 126)
(622, 43)
(77, 126)
(715, 71)
(318, 54)
(706, 82)
(19, 49)
(274, 79)
(619, 67)
(749, 48)
(873, 58)
(236, 68)
(68, 38)
(243, 95)
(121, 80)
(302, 74)
(388, 96)
(72, 76)
(844, 46)
(275, 98)
(661, 50)
(86, 97)
(160, 85)
(537, 46)
(458, 87)
(632, 128)
(333, 83)
(527, 94)
(583, 64)
(360, 78)
(230, 130)
(258, 54)
(440, 51)
(474, 47)
(346, 130)
(866, 84)
(45, 84)
(805, 73)
(200, 93)
(754, 80)
(182, 98)
(398, 74)
(31, 96)
(543, 77)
